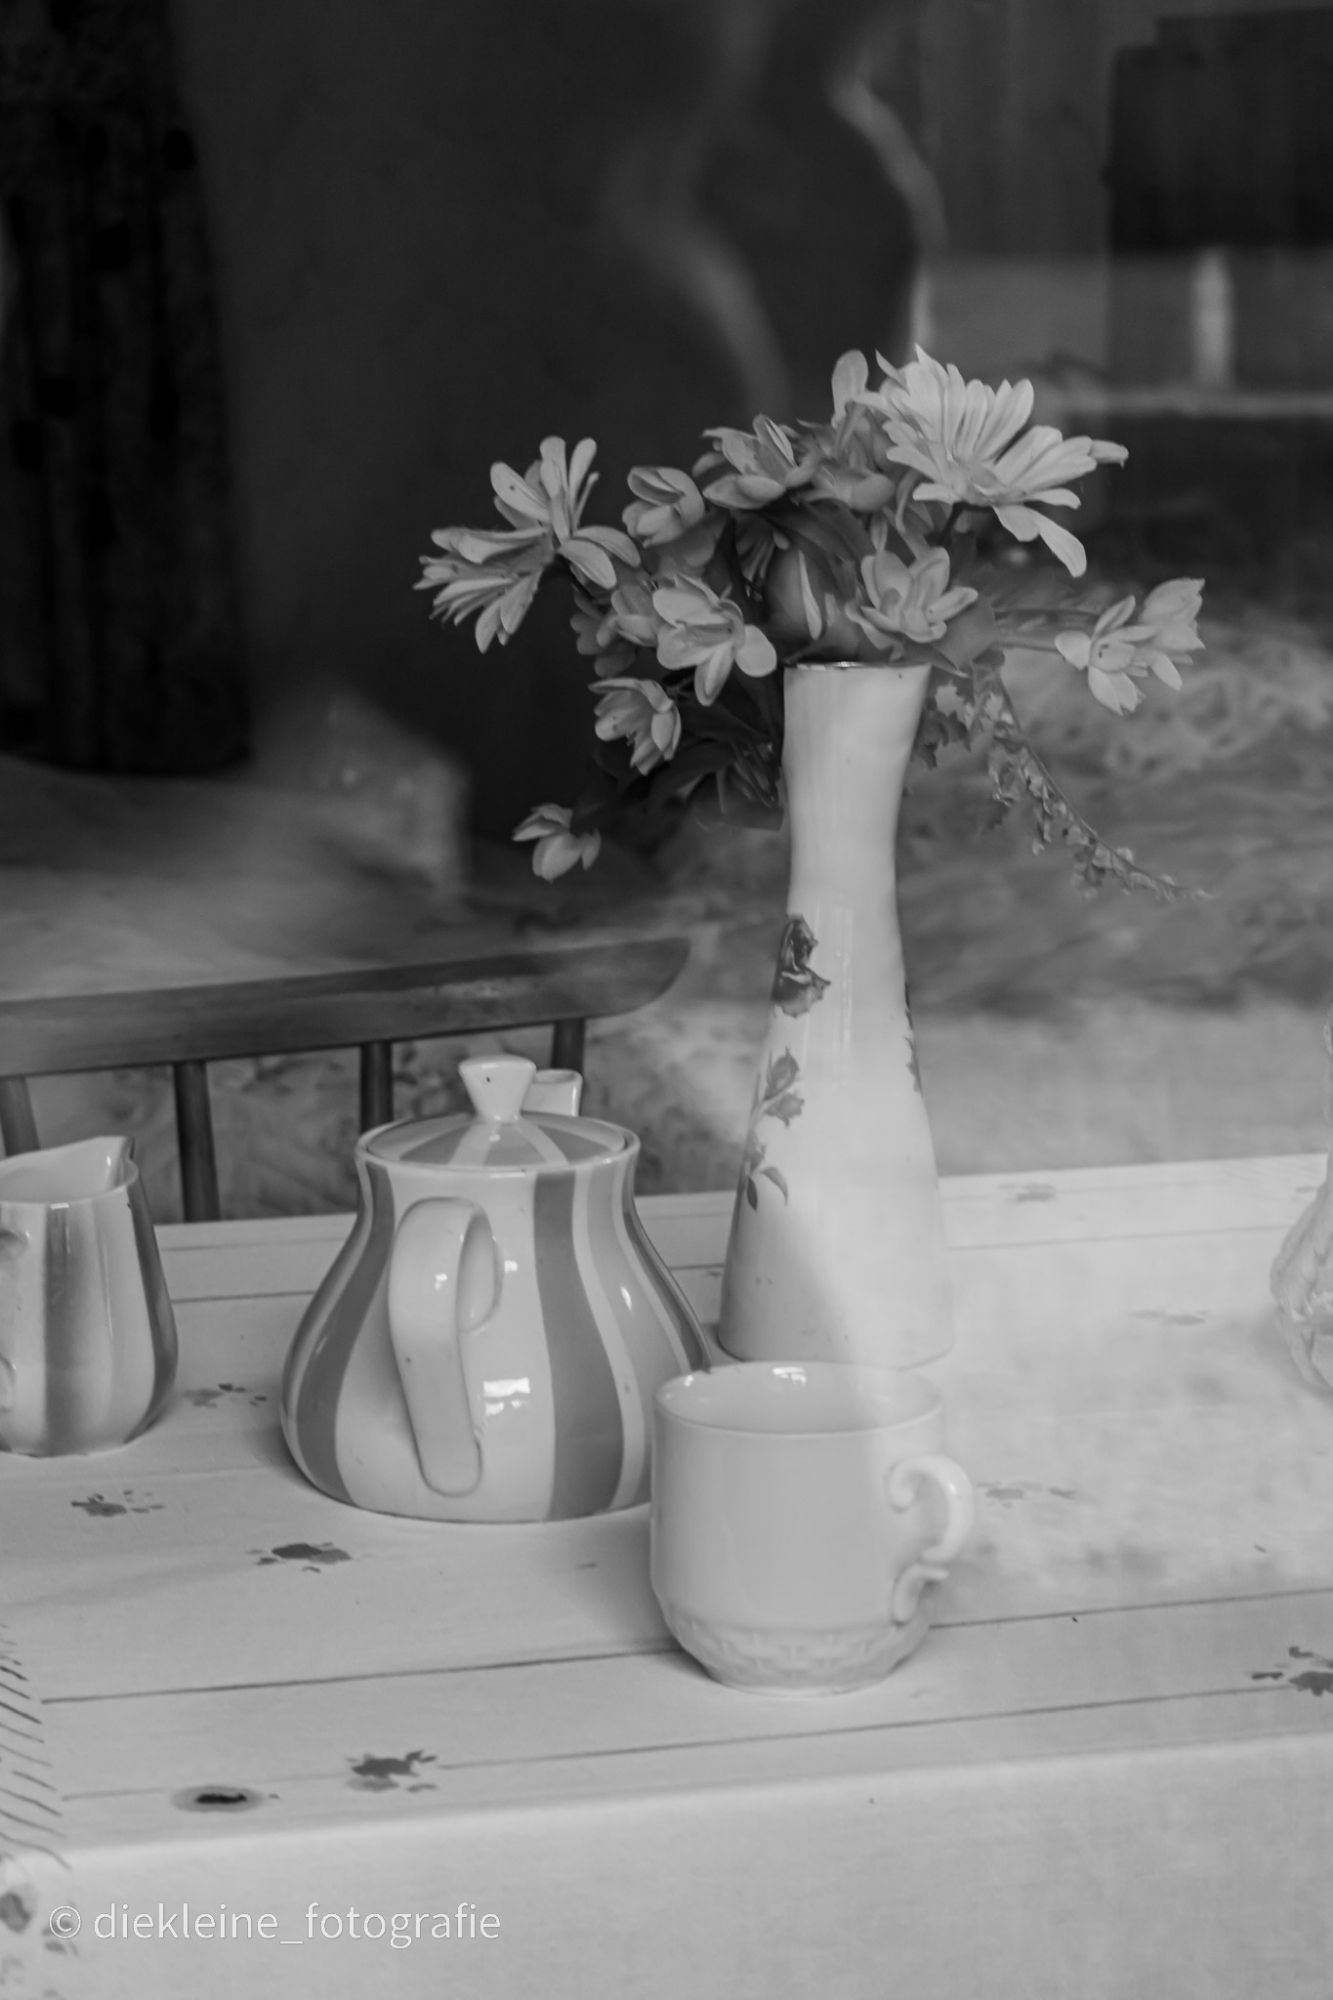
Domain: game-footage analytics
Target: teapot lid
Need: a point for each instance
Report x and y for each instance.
(500, 1134)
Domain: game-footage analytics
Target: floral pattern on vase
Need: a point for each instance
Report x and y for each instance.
(796, 985)
(775, 1097)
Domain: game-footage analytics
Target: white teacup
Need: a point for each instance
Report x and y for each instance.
(801, 1513)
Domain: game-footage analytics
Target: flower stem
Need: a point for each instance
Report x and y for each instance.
(1060, 619)
(1097, 858)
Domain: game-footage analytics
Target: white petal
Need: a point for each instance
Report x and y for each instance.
(1021, 522)
(555, 856)
(612, 540)
(479, 546)
(1165, 669)
(1066, 547)
(590, 561)
(978, 405)
(933, 569)
(1114, 616)
(1013, 407)
(515, 604)
(905, 452)
(1026, 525)
(676, 649)
(1114, 691)
(541, 821)
(1113, 656)
(524, 499)
(955, 600)
(710, 675)
(756, 656)
(584, 454)
(488, 625)
(1183, 595)
(850, 376)
(677, 603)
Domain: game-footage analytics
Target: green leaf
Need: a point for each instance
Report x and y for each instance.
(718, 724)
(969, 634)
(833, 531)
(738, 806)
(695, 761)
(755, 539)
(783, 1072)
(814, 617)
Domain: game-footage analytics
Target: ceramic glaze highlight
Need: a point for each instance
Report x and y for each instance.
(487, 1344)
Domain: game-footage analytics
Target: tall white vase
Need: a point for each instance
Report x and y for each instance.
(837, 1239)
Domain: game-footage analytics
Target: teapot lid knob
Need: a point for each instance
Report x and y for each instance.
(497, 1085)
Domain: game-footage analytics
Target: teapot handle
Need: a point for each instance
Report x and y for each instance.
(444, 1281)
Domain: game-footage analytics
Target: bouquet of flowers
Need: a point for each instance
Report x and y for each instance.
(871, 537)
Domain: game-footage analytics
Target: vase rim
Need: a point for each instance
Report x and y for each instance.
(854, 666)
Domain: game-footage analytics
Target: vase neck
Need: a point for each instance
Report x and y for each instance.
(847, 742)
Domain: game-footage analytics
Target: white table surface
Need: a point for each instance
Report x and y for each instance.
(1108, 1772)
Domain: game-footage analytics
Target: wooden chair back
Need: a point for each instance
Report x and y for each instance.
(369, 1008)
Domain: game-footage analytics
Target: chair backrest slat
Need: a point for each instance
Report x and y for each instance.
(18, 1127)
(334, 1010)
(369, 1008)
(200, 1198)
(376, 1084)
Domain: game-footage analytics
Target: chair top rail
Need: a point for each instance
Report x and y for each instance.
(326, 1010)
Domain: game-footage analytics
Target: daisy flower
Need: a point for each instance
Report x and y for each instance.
(557, 849)
(972, 447)
(642, 712)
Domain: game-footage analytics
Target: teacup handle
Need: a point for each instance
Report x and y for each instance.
(444, 1281)
(902, 1487)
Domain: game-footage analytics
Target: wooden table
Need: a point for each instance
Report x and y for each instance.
(1108, 1772)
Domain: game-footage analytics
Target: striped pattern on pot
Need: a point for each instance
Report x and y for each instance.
(87, 1334)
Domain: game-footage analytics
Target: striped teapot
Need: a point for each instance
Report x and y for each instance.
(487, 1343)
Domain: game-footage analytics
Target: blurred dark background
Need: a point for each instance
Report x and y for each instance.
(438, 234)
(379, 246)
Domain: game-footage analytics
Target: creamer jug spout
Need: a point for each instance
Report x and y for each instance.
(555, 1090)
(77, 1172)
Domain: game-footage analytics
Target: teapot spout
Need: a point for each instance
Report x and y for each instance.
(557, 1090)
